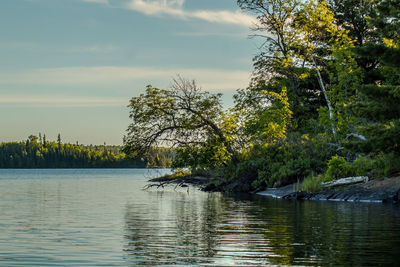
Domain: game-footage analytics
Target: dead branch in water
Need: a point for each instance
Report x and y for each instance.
(163, 184)
(158, 185)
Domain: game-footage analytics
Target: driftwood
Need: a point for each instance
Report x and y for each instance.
(346, 181)
(163, 184)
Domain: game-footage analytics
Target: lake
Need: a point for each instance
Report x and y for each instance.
(102, 217)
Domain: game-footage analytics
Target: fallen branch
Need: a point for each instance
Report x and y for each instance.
(181, 184)
(163, 184)
(359, 136)
(160, 184)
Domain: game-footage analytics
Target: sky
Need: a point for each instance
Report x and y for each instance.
(71, 66)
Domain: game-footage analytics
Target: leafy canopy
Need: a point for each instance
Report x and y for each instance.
(184, 117)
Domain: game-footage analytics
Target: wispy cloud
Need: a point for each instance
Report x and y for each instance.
(62, 101)
(211, 33)
(95, 48)
(209, 79)
(176, 9)
(97, 1)
(157, 7)
(34, 47)
(226, 17)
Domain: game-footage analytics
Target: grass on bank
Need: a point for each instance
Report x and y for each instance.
(313, 183)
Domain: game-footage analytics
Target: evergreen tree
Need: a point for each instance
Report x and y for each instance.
(379, 103)
(32, 154)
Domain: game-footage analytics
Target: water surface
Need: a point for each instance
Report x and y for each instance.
(103, 217)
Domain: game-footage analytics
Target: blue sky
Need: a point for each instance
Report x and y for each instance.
(71, 66)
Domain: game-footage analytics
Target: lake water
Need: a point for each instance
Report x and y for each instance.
(102, 217)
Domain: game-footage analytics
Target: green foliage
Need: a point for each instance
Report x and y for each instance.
(338, 167)
(362, 75)
(387, 164)
(183, 117)
(363, 166)
(178, 174)
(312, 183)
(264, 124)
(377, 53)
(34, 153)
(326, 83)
(159, 157)
(285, 162)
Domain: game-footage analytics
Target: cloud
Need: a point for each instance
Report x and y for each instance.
(34, 47)
(96, 48)
(209, 79)
(241, 35)
(62, 101)
(97, 1)
(175, 8)
(156, 7)
(226, 17)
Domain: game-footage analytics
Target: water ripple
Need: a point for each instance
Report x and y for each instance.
(103, 218)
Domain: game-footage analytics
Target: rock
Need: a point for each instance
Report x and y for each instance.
(375, 191)
(282, 192)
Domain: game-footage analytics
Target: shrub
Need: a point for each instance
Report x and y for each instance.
(288, 162)
(363, 166)
(338, 167)
(178, 173)
(387, 164)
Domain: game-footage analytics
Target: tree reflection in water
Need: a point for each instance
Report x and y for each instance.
(213, 229)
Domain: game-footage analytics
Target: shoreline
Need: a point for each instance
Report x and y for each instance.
(383, 190)
(380, 190)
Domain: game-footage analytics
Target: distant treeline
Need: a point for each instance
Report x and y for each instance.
(37, 152)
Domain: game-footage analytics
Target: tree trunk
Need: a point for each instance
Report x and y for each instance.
(321, 83)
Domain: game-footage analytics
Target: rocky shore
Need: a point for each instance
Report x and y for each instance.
(384, 190)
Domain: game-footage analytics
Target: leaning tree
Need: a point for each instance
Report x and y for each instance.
(182, 117)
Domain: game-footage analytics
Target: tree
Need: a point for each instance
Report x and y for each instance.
(33, 139)
(182, 116)
(32, 154)
(379, 97)
(59, 139)
(353, 16)
(275, 26)
(265, 120)
(300, 36)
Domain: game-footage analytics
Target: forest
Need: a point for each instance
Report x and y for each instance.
(38, 152)
(323, 102)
